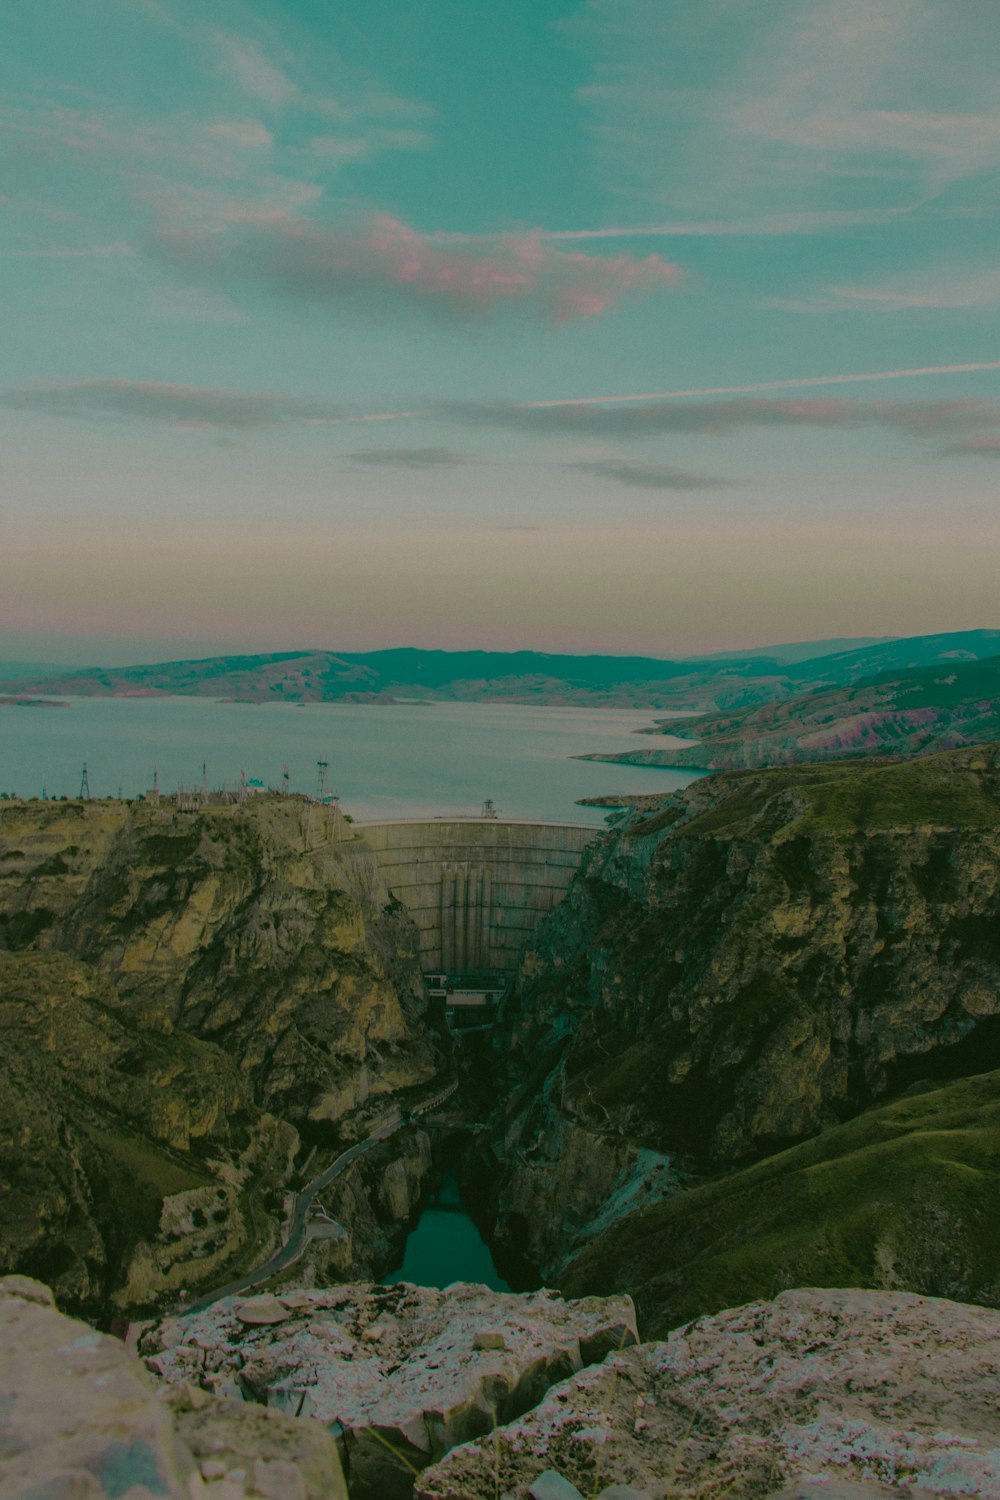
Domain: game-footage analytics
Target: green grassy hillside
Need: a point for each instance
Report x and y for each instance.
(907, 1195)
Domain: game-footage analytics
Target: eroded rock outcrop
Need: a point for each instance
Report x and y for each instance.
(405, 1372)
(763, 959)
(818, 1393)
(80, 1419)
(191, 999)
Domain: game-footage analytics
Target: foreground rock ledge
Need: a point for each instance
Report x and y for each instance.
(402, 1373)
(819, 1393)
(80, 1420)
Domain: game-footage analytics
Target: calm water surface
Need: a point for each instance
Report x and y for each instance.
(397, 761)
(446, 1246)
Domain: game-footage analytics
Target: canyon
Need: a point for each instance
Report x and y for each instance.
(755, 1045)
(206, 1005)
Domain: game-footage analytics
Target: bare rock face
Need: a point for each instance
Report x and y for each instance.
(190, 996)
(818, 1395)
(766, 957)
(80, 1420)
(404, 1372)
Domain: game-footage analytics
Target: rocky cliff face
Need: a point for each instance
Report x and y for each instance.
(765, 958)
(190, 999)
(396, 1392)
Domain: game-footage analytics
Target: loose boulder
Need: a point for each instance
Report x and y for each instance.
(80, 1419)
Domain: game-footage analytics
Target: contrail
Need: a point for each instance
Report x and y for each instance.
(767, 385)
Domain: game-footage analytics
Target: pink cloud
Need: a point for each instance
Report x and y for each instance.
(987, 443)
(465, 275)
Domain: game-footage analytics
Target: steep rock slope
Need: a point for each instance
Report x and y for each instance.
(766, 957)
(190, 997)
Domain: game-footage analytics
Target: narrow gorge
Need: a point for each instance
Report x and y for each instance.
(755, 1046)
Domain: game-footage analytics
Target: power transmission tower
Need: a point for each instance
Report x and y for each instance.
(285, 781)
(204, 781)
(84, 784)
(322, 780)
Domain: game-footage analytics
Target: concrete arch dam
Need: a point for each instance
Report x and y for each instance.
(476, 887)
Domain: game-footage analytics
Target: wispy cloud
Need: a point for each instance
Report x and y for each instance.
(970, 425)
(854, 82)
(649, 476)
(273, 118)
(651, 418)
(244, 59)
(411, 458)
(111, 251)
(183, 405)
(985, 444)
(775, 225)
(469, 278)
(252, 135)
(796, 383)
(339, 150)
(806, 97)
(946, 289)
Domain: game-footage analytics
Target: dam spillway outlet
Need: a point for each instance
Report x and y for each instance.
(466, 1000)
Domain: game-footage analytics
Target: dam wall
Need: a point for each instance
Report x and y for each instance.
(476, 887)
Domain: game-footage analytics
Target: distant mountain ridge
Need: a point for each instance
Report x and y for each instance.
(798, 651)
(705, 684)
(894, 655)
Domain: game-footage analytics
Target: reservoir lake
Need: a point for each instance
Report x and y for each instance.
(404, 760)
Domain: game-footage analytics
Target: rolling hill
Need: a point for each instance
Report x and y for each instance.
(896, 713)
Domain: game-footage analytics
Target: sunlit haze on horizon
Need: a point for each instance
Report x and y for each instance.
(573, 325)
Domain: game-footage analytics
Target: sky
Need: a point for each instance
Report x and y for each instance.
(574, 325)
